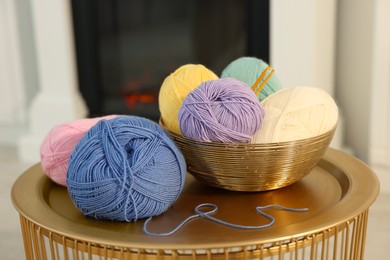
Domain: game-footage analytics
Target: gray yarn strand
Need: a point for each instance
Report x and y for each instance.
(214, 209)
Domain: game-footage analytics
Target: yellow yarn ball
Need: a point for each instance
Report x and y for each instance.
(296, 113)
(175, 89)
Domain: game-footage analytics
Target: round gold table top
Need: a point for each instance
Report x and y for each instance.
(338, 188)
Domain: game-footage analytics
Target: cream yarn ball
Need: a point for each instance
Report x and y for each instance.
(296, 113)
(175, 89)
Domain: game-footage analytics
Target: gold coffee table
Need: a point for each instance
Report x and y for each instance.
(338, 193)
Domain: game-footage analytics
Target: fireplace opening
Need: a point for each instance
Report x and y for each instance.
(126, 48)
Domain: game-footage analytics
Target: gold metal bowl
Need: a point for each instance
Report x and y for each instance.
(251, 167)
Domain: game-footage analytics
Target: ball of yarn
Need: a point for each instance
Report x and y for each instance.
(59, 143)
(296, 113)
(248, 70)
(176, 87)
(223, 110)
(124, 169)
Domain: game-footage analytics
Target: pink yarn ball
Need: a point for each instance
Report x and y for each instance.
(59, 143)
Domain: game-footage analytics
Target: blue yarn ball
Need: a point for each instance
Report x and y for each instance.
(124, 169)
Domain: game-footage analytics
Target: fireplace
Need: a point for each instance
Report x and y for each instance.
(125, 48)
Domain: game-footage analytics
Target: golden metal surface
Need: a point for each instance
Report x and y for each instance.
(338, 193)
(251, 167)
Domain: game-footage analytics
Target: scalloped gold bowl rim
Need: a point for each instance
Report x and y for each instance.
(182, 138)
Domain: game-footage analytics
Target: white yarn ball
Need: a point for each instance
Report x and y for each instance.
(296, 113)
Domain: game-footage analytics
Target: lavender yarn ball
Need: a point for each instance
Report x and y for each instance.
(223, 110)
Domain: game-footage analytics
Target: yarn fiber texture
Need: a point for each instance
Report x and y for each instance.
(297, 113)
(175, 89)
(59, 143)
(248, 70)
(223, 110)
(124, 169)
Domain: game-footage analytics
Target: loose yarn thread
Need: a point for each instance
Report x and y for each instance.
(59, 143)
(296, 113)
(214, 208)
(248, 70)
(223, 110)
(124, 169)
(175, 89)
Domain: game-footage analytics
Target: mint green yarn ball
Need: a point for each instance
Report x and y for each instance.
(248, 70)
